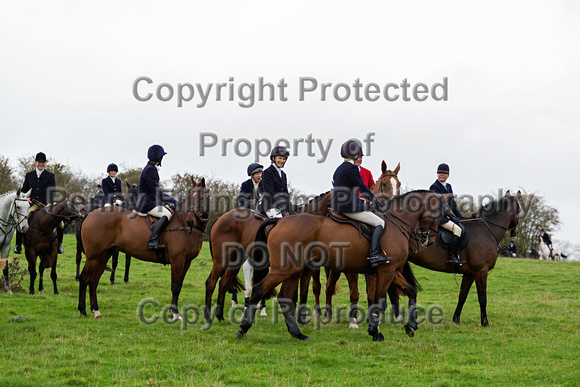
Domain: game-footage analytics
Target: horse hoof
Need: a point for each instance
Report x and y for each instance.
(177, 317)
(97, 314)
(410, 331)
(379, 337)
(399, 319)
(56, 292)
(302, 337)
(239, 335)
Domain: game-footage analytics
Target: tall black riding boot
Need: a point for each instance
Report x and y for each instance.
(375, 258)
(60, 234)
(454, 253)
(18, 247)
(156, 234)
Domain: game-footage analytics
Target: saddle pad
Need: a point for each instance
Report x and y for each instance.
(444, 238)
(363, 229)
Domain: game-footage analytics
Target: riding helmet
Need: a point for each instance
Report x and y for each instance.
(279, 151)
(40, 157)
(351, 150)
(255, 168)
(443, 168)
(156, 153)
(112, 167)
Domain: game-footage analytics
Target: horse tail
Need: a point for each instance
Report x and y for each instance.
(236, 286)
(410, 277)
(210, 229)
(563, 255)
(260, 254)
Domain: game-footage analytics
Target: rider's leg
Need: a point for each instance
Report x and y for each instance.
(375, 257)
(456, 230)
(164, 216)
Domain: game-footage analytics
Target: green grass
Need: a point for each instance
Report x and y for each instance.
(533, 309)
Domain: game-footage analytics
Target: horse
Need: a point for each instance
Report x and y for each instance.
(118, 228)
(485, 228)
(41, 239)
(386, 186)
(13, 215)
(128, 203)
(544, 251)
(295, 242)
(230, 236)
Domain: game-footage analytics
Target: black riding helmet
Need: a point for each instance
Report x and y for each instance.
(279, 151)
(112, 167)
(156, 153)
(443, 168)
(255, 168)
(351, 150)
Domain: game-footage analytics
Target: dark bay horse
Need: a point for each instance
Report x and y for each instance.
(486, 228)
(230, 237)
(118, 228)
(298, 241)
(128, 203)
(386, 186)
(41, 237)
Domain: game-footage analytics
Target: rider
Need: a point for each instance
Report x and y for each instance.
(151, 199)
(450, 221)
(112, 186)
(275, 199)
(365, 174)
(41, 184)
(249, 193)
(513, 249)
(546, 238)
(347, 180)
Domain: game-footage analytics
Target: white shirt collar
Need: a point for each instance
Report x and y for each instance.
(112, 178)
(39, 172)
(278, 169)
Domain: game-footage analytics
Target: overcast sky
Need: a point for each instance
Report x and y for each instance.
(511, 119)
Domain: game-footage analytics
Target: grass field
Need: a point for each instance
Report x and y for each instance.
(533, 310)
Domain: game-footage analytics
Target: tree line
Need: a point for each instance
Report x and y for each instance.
(540, 214)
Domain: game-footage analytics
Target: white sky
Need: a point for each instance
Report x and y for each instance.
(511, 120)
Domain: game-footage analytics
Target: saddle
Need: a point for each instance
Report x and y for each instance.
(444, 238)
(363, 229)
(150, 219)
(261, 215)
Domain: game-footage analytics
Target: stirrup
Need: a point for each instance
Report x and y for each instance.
(455, 261)
(377, 260)
(155, 245)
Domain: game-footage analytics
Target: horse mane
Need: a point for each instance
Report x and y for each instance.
(489, 207)
(7, 193)
(404, 196)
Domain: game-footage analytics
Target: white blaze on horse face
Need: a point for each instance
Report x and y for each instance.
(393, 182)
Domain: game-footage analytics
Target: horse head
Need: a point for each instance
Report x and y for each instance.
(21, 207)
(388, 184)
(513, 225)
(434, 211)
(197, 205)
(73, 206)
(132, 195)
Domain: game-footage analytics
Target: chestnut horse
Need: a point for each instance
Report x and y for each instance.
(118, 228)
(41, 238)
(230, 237)
(385, 188)
(486, 228)
(128, 203)
(299, 241)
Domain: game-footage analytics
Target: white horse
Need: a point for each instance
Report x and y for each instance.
(13, 215)
(544, 250)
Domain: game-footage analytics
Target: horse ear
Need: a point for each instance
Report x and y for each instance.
(383, 166)
(202, 183)
(507, 194)
(519, 195)
(397, 169)
(128, 185)
(18, 192)
(193, 183)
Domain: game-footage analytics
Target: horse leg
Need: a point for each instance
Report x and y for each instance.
(79, 256)
(316, 289)
(354, 297)
(229, 274)
(332, 277)
(466, 283)
(127, 266)
(304, 284)
(394, 298)
(6, 279)
(179, 268)
(115, 264)
(53, 275)
(385, 276)
(288, 305)
(92, 272)
(258, 291)
(31, 268)
(41, 267)
(214, 275)
(481, 285)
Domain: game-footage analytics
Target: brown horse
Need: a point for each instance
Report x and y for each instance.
(41, 238)
(230, 237)
(385, 188)
(302, 240)
(114, 227)
(485, 229)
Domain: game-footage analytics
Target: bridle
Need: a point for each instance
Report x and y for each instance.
(487, 222)
(13, 220)
(382, 184)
